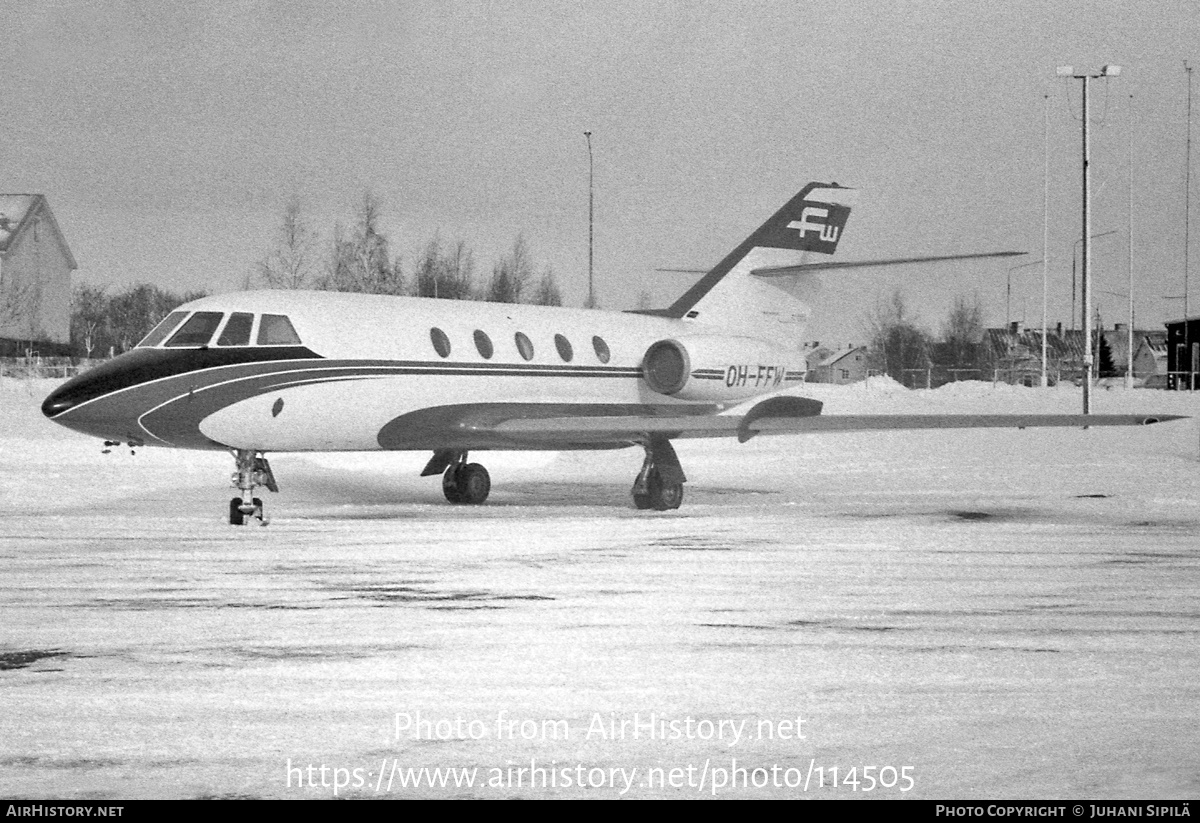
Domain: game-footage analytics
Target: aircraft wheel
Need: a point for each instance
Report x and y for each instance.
(473, 483)
(236, 518)
(450, 485)
(664, 496)
(641, 501)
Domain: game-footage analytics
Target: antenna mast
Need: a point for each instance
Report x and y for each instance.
(1187, 223)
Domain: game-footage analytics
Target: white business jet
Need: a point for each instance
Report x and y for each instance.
(272, 371)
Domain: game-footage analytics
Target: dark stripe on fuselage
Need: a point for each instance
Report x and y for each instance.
(165, 394)
(145, 365)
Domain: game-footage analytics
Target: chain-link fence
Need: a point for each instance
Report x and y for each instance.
(35, 366)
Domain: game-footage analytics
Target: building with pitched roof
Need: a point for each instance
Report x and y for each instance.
(1014, 354)
(1149, 353)
(35, 278)
(848, 365)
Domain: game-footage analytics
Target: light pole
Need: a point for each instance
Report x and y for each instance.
(591, 299)
(1074, 252)
(1008, 296)
(1187, 221)
(1068, 71)
(1129, 250)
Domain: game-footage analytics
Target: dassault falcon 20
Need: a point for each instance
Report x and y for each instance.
(280, 371)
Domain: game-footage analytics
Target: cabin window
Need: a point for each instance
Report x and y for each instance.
(237, 330)
(602, 352)
(524, 346)
(441, 343)
(198, 330)
(564, 348)
(160, 332)
(484, 344)
(277, 330)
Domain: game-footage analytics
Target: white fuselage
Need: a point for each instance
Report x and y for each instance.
(370, 363)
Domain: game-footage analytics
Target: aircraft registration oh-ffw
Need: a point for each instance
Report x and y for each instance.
(284, 371)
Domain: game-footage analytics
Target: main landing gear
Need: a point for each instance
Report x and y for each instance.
(659, 485)
(462, 482)
(253, 471)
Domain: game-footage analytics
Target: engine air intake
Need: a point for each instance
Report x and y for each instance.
(666, 367)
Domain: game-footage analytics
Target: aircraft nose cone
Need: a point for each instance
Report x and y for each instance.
(116, 374)
(59, 401)
(77, 390)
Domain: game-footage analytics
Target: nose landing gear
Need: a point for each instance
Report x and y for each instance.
(253, 471)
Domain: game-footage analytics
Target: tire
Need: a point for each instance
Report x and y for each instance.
(236, 518)
(450, 485)
(663, 496)
(473, 483)
(670, 497)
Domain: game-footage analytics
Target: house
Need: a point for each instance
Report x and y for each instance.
(814, 354)
(35, 278)
(1149, 354)
(848, 365)
(1014, 354)
(1149, 344)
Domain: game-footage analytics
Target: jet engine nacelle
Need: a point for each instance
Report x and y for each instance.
(715, 367)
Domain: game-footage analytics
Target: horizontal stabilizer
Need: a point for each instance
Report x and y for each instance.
(804, 268)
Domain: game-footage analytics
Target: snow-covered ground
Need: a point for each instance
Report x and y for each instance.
(962, 614)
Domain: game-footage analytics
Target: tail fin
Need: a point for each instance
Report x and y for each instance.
(731, 296)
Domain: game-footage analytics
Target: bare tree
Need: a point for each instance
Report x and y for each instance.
(511, 276)
(89, 318)
(898, 344)
(446, 274)
(294, 262)
(360, 262)
(547, 292)
(962, 335)
(16, 301)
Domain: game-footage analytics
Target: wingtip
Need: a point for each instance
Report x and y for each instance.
(1162, 418)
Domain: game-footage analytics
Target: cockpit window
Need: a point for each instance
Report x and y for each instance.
(237, 330)
(160, 332)
(197, 331)
(277, 330)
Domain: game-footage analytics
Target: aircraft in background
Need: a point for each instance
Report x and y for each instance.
(285, 371)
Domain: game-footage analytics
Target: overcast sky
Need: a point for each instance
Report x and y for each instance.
(169, 137)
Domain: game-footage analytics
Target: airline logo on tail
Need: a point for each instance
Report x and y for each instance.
(816, 219)
(817, 227)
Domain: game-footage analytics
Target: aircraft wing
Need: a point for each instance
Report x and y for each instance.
(748, 425)
(578, 425)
